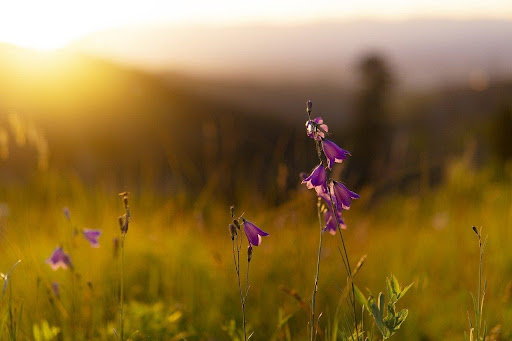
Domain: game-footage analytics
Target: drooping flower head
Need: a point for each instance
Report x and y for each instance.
(59, 259)
(333, 153)
(343, 194)
(316, 129)
(317, 179)
(253, 233)
(92, 236)
(330, 222)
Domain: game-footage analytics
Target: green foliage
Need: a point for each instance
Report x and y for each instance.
(234, 333)
(477, 331)
(385, 315)
(153, 321)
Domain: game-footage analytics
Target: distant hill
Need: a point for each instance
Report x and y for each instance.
(422, 52)
(120, 126)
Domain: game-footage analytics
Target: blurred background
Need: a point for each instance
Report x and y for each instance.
(193, 106)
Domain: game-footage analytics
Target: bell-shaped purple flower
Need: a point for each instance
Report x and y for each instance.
(316, 128)
(333, 153)
(92, 236)
(343, 194)
(253, 233)
(317, 179)
(59, 259)
(330, 222)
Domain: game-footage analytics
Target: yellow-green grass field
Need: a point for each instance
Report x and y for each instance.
(180, 278)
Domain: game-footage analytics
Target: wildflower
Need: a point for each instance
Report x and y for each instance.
(67, 214)
(316, 129)
(253, 233)
(343, 194)
(333, 153)
(59, 259)
(55, 288)
(317, 179)
(330, 222)
(92, 236)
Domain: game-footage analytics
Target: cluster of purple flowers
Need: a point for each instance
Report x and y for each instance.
(335, 195)
(60, 259)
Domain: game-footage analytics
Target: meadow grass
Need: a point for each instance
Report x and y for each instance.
(179, 266)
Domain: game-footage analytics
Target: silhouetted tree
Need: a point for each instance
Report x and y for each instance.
(371, 132)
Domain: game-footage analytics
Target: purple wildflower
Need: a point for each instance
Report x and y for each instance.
(92, 236)
(317, 179)
(316, 128)
(330, 222)
(55, 288)
(343, 194)
(253, 233)
(333, 153)
(67, 214)
(59, 259)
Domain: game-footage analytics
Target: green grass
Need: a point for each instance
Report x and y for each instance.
(179, 267)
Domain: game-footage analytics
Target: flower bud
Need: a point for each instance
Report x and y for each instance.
(309, 105)
(237, 224)
(249, 253)
(232, 231)
(232, 211)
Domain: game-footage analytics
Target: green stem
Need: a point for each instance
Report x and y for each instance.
(121, 293)
(315, 289)
(347, 261)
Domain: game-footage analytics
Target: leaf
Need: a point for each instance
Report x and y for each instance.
(360, 297)
(381, 303)
(377, 316)
(402, 293)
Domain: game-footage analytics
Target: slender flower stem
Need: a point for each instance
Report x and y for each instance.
(236, 259)
(347, 261)
(315, 289)
(121, 290)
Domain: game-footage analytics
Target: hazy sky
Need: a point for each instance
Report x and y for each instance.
(54, 23)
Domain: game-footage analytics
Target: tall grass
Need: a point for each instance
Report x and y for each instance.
(180, 265)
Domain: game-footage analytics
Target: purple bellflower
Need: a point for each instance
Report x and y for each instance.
(92, 236)
(253, 233)
(59, 259)
(333, 153)
(343, 194)
(330, 222)
(317, 179)
(316, 128)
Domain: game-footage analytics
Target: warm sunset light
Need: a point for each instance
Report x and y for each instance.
(54, 23)
(283, 170)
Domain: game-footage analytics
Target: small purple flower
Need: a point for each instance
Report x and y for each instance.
(59, 259)
(316, 128)
(92, 236)
(330, 222)
(253, 233)
(343, 194)
(317, 179)
(333, 153)
(67, 214)
(55, 288)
